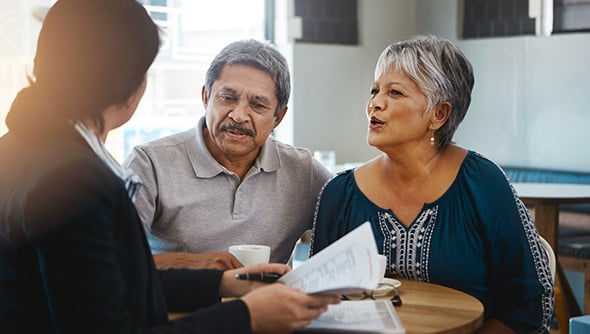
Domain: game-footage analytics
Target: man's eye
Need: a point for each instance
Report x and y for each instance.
(226, 98)
(259, 107)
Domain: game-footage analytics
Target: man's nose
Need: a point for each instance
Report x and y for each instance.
(240, 112)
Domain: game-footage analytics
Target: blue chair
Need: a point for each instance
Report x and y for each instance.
(580, 325)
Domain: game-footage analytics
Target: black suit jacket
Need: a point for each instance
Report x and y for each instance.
(73, 253)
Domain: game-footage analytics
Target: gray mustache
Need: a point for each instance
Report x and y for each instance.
(236, 127)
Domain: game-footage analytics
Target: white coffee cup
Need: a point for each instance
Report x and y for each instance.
(382, 264)
(250, 254)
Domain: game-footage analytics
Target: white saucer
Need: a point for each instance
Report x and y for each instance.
(385, 286)
(391, 281)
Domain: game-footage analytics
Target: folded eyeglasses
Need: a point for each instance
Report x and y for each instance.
(382, 291)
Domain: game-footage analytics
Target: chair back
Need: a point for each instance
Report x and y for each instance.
(560, 314)
(550, 256)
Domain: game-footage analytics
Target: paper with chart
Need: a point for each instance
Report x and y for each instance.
(363, 316)
(348, 265)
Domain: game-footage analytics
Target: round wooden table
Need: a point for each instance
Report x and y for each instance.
(433, 308)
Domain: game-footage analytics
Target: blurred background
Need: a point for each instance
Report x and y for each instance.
(530, 106)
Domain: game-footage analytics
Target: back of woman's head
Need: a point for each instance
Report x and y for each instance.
(440, 69)
(90, 54)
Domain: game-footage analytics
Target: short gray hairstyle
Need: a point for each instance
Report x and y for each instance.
(442, 72)
(260, 55)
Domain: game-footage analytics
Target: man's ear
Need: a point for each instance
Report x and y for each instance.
(204, 97)
(440, 115)
(279, 117)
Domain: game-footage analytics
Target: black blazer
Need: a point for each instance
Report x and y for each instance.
(74, 256)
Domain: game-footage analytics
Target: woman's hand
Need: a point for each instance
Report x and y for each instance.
(232, 287)
(278, 308)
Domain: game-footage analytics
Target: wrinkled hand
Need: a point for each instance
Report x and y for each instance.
(214, 260)
(277, 308)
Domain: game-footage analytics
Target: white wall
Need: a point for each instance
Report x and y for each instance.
(531, 103)
(331, 82)
(530, 106)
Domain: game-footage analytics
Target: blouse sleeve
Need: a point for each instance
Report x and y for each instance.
(518, 270)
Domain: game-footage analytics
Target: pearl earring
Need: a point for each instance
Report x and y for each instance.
(432, 139)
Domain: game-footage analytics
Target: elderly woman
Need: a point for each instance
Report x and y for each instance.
(439, 212)
(73, 254)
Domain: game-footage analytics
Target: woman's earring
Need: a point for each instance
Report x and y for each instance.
(432, 139)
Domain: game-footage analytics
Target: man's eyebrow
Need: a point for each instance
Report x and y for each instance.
(227, 90)
(261, 98)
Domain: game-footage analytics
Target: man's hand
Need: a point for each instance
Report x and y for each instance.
(214, 260)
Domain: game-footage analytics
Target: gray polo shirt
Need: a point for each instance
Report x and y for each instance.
(191, 203)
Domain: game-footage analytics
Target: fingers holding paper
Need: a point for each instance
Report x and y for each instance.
(290, 308)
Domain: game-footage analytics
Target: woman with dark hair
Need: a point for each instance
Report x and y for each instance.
(73, 254)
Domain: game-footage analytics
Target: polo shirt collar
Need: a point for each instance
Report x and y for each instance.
(206, 166)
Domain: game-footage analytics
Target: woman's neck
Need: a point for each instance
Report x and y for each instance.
(93, 126)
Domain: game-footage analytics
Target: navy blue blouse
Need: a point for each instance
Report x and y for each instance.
(477, 237)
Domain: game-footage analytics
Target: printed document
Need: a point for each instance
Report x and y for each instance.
(348, 265)
(362, 316)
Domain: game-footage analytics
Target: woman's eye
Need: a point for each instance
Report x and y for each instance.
(395, 92)
(374, 91)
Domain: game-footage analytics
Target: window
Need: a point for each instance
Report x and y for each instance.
(571, 15)
(18, 33)
(497, 18)
(328, 21)
(193, 31)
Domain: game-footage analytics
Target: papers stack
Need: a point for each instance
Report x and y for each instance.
(349, 265)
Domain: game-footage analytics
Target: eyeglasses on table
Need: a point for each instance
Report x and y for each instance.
(382, 291)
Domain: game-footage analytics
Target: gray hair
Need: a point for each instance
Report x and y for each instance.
(260, 55)
(442, 72)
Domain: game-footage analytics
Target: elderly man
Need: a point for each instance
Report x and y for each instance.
(227, 181)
